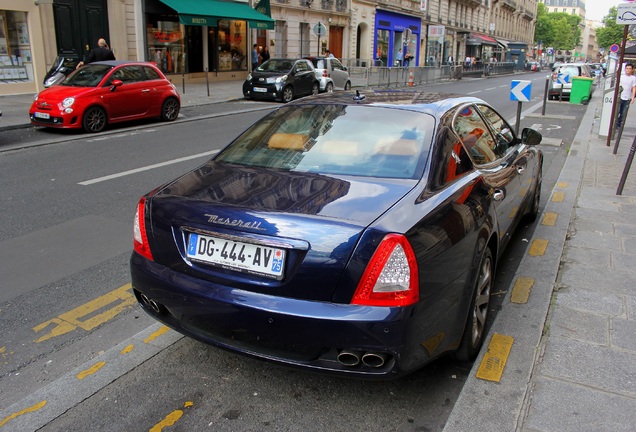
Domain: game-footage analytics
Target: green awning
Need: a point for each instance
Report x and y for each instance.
(209, 12)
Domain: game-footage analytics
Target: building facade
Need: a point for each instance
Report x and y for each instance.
(198, 39)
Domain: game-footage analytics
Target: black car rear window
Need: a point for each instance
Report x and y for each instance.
(337, 139)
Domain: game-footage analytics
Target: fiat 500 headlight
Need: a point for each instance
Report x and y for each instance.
(68, 102)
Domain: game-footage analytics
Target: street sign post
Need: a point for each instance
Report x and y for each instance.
(319, 30)
(520, 91)
(626, 13)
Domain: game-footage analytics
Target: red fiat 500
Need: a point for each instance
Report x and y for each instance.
(106, 92)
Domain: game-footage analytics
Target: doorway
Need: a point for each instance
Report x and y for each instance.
(79, 24)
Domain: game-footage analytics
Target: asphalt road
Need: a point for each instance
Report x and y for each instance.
(77, 353)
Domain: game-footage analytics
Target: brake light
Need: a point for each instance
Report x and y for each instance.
(324, 73)
(391, 277)
(140, 236)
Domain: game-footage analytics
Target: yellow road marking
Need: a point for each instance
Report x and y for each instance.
(538, 247)
(562, 185)
(155, 335)
(91, 370)
(119, 299)
(521, 290)
(494, 362)
(170, 419)
(558, 197)
(128, 349)
(30, 409)
(549, 219)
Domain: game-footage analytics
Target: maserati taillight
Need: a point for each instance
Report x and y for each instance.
(140, 236)
(390, 278)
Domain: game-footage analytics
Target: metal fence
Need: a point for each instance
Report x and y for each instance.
(363, 75)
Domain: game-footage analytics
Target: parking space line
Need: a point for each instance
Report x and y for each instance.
(549, 219)
(538, 247)
(170, 419)
(492, 365)
(120, 299)
(521, 290)
(91, 370)
(558, 196)
(30, 409)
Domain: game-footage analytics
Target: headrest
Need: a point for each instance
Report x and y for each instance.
(287, 141)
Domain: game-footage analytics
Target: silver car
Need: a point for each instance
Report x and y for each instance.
(567, 71)
(332, 74)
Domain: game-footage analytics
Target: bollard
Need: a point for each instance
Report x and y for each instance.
(620, 131)
(207, 81)
(545, 94)
(183, 83)
(628, 164)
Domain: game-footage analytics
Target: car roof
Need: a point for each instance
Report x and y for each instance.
(123, 62)
(411, 100)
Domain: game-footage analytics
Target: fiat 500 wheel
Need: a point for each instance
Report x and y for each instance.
(170, 109)
(94, 119)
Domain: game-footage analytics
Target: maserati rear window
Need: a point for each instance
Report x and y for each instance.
(337, 139)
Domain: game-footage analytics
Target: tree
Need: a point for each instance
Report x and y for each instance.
(557, 29)
(611, 33)
(543, 30)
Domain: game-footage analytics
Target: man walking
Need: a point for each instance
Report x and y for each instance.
(101, 53)
(628, 92)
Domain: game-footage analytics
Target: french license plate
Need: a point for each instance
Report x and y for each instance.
(42, 115)
(246, 257)
(260, 90)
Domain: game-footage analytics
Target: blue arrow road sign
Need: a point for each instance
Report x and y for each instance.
(563, 78)
(520, 91)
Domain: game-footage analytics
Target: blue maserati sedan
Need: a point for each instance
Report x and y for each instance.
(350, 233)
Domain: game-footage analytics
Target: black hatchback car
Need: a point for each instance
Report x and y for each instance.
(281, 80)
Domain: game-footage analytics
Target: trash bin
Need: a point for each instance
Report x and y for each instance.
(581, 89)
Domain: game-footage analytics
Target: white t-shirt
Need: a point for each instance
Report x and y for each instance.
(627, 82)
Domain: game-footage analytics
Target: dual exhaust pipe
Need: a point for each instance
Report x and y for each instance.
(354, 358)
(148, 302)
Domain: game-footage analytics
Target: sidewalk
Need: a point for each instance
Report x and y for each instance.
(572, 365)
(15, 108)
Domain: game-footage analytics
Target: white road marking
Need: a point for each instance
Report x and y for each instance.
(145, 168)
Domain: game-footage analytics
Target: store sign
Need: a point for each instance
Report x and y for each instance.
(195, 20)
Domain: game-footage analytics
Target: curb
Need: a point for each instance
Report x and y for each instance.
(485, 405)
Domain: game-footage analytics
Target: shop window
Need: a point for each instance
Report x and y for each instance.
(15, 48)
(166, 44)
(232, 45)
(382, 48)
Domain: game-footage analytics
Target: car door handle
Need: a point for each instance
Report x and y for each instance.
(498, 195)
(521, 169)
(145, 91)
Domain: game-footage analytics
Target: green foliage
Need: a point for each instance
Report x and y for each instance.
(611, 33)
(557, 29)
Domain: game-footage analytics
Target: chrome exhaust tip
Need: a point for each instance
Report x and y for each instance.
(374, 360)
(150, 303)
(349, 358)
